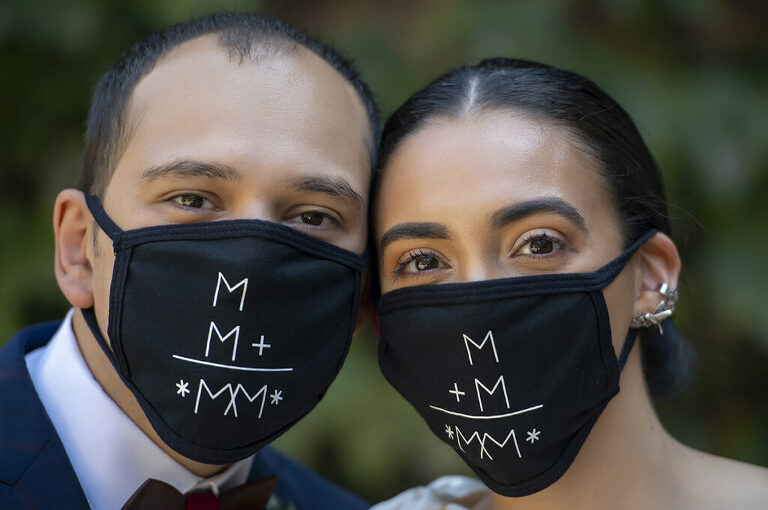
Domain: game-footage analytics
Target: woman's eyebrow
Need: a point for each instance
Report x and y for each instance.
(190, 168)
(413, 230)
(516, 212)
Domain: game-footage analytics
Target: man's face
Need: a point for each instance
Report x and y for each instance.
(284, 139)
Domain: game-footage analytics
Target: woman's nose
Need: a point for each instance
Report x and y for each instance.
(476, 271)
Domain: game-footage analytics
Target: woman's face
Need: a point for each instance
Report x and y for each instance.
(497, 195)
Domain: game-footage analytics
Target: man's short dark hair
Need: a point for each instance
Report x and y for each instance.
(243, 35)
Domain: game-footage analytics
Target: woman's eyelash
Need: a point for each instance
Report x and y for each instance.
(530, 236)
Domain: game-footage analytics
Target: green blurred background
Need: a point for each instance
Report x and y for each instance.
(693, 74)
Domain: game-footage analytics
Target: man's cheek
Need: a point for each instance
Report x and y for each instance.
(102, 279)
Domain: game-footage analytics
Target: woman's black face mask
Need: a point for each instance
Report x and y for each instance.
(512, 373)
(226, 332)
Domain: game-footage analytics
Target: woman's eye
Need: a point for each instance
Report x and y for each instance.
(424, 262)
(418, 261)
(193, 201)
(540, 245)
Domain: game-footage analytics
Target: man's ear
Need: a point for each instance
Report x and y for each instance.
(656, 262)
(73, 232)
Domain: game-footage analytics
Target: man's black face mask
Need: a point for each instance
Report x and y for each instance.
(226, 332)
(512, 373)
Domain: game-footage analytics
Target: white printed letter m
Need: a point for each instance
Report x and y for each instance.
(234, 331)
(488, 336)
(243, 283)
(499, 382)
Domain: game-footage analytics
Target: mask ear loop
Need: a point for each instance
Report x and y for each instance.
(631, 337)
(102, 218)
(627, 347)
(114, 233)
(90, 319)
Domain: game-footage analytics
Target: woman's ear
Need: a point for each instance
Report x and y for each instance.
(656, 262)
(73, 232)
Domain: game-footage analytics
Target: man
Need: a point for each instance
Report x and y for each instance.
(212, 256)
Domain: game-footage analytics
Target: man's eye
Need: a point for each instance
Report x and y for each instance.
(314, 221)
(193, 201)
(313, 218)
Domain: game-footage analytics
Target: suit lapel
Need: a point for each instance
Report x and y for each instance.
(34, 467)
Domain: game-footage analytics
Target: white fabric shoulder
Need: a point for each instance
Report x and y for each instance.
(445, 493)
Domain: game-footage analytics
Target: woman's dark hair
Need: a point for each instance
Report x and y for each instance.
(599, 126)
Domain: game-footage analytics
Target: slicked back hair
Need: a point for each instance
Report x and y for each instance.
(246, 37)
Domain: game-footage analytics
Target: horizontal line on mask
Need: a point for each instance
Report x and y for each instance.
(489, 417)
(232, 367)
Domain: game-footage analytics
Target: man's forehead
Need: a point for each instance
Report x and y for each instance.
(290, 101)
(268, 68)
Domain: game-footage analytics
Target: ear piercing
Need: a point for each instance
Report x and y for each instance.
(663, 310)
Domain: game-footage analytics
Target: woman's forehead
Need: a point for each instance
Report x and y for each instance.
(481, 162)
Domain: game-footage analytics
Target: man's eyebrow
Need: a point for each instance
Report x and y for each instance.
(191, 168)
(337, 187)
(413, 230)
(516, 212)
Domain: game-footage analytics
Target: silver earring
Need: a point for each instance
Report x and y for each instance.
(662, 311)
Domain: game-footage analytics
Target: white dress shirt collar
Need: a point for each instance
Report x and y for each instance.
(110, 454)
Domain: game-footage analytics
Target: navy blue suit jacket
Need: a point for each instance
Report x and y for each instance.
(36, 473)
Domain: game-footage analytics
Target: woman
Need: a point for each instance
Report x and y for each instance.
(523, 241)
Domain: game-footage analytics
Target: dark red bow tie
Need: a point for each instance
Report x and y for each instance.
(155, 495)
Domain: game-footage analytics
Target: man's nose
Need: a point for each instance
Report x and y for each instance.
(256, 209)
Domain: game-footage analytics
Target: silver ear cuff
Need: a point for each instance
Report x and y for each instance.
(663, 310)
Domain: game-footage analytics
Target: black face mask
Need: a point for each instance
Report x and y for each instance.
(512, 373)
(226, 332)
